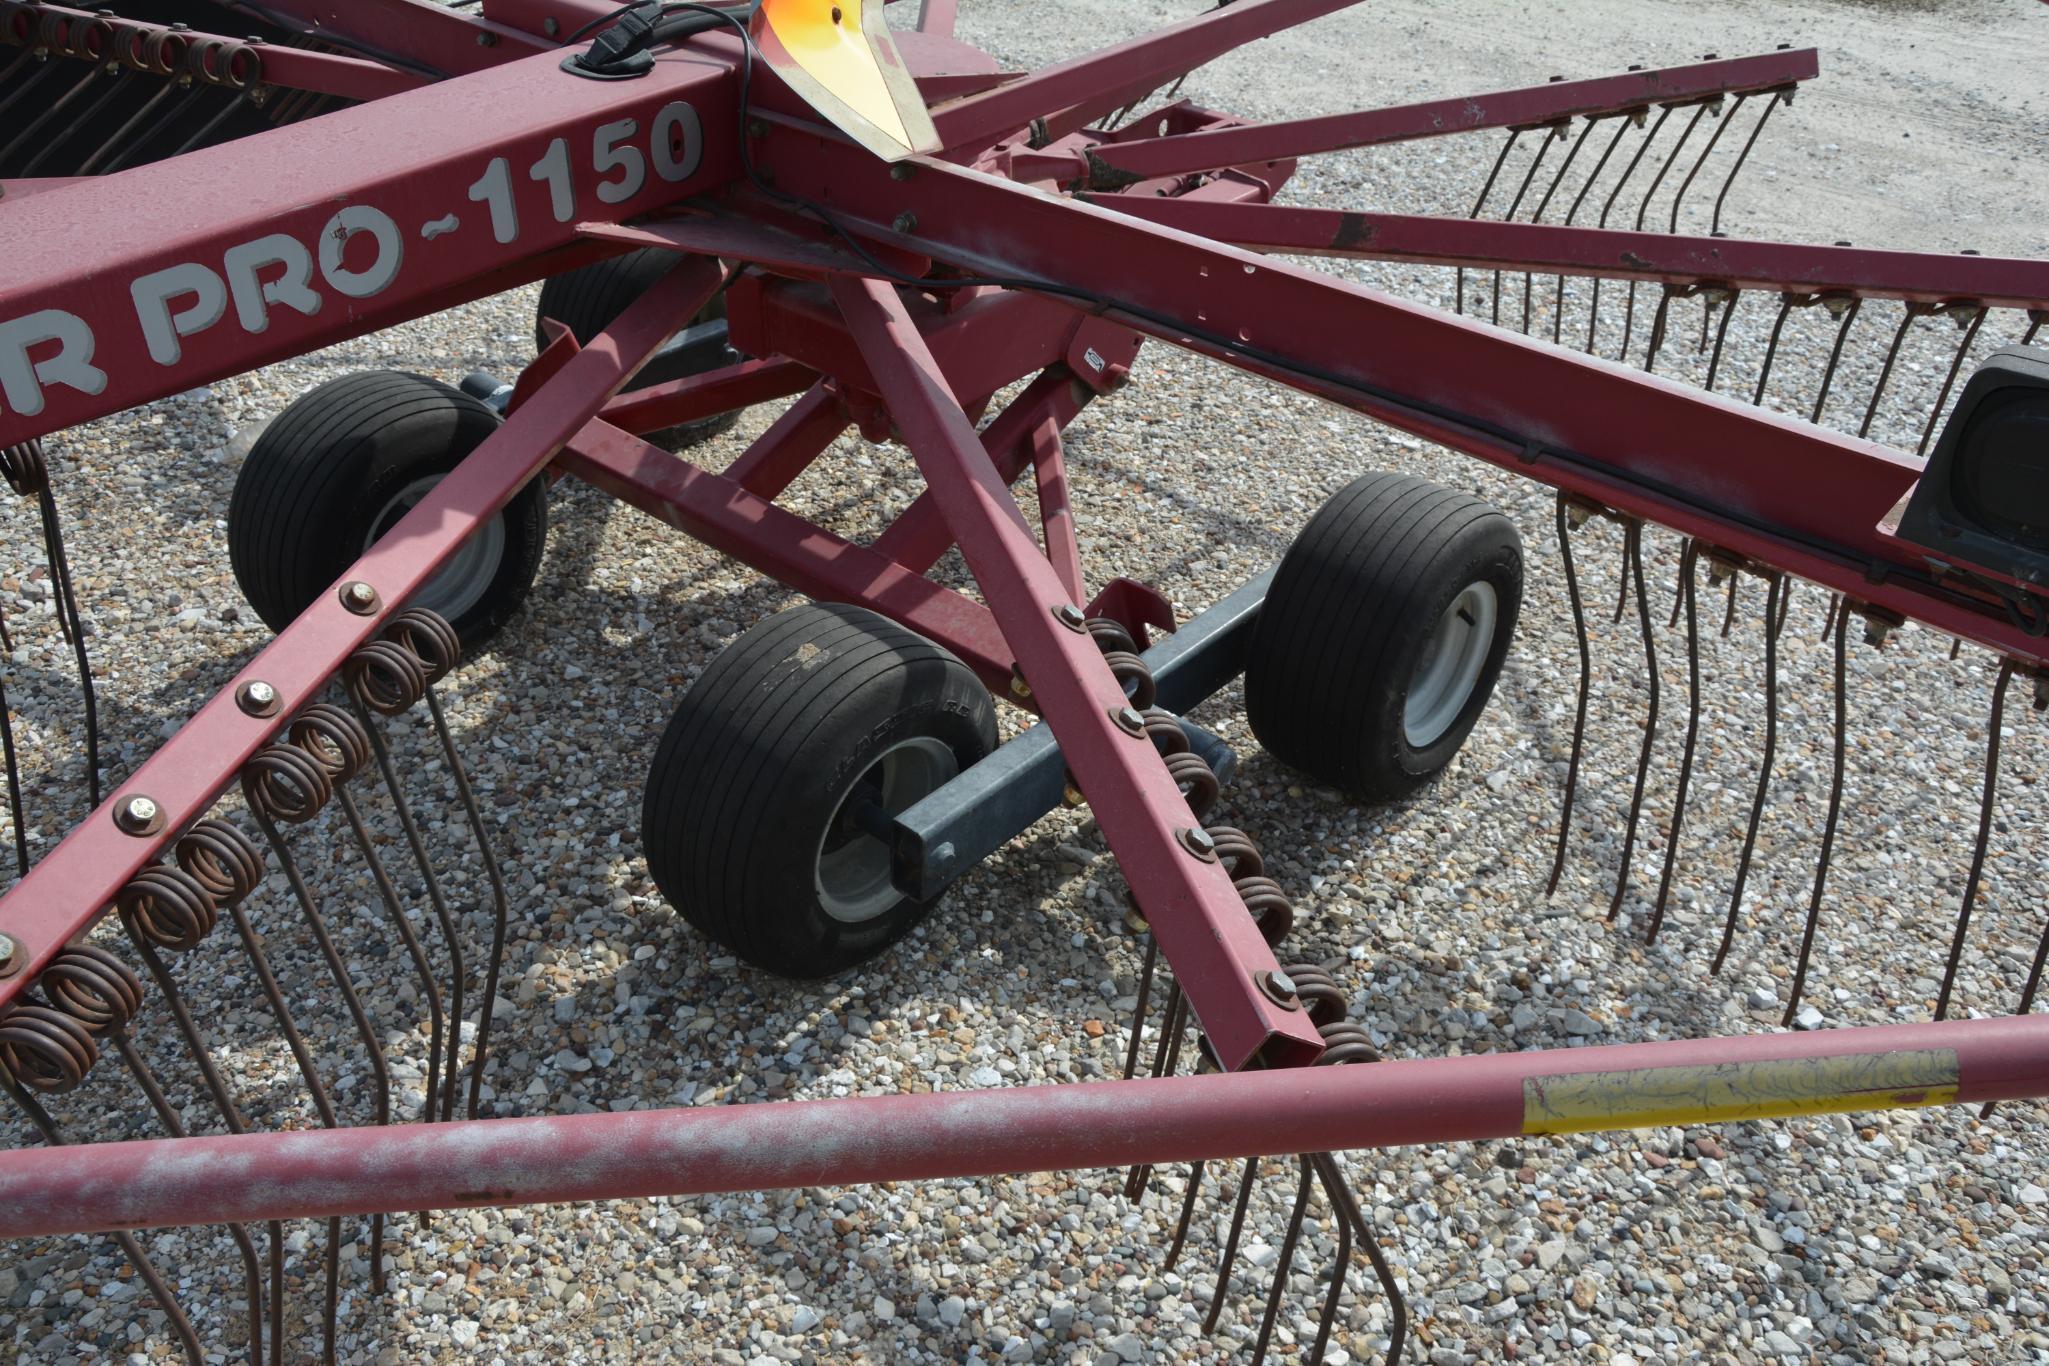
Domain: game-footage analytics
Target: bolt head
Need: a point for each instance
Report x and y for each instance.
(262, 693)
(139, 815)
(9, 951)
(905, 223)
(358, 596)
(1279, 988)
(1070, 616)
(1129, 719)
(1199, 842)
(141, 809)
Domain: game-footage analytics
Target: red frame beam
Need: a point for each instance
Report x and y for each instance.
(939, 1135)
(421, 31)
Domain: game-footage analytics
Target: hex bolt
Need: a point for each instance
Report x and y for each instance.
(1278, 988)
(1071, 798)
(139, 815)
(902, 170)
(1020, 689)
(1068, 615)
(905, 222)
(359, 597)
(12, 959)
(1197, 841)
(257, 698)
(1128, 720)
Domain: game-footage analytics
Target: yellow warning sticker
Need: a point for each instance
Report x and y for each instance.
(1652, 1097)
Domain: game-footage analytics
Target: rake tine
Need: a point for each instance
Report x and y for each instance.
(130, 1249)
(1145, 989)
(1621, 127)
(1514, 136)
(1230, 1257)
(206, 130)
(1687, 562)
(1956, 647)
(1835, 809)
(14, 807)
(2035, 321)
(1352, 1218)
(1687, 553)
(1729, 617)
(1579, 723)
(1650, 359)
(1774, 620)
(1721, 335)
(1771, 350)
(1622, 580)
(1550, 135)
(56, 106)
(1634, 543)
(1166, 1058)
(1721, 127)
(34, 78)
(1911, 312)
(1571, 155)
(1835, 605)
(1187, 1214)
(1715, 223)
(1283, 1265)
(1643, 208)
(170, 120)
(1955, 364)
(1594, 316)
(134, 121)
(111, 88)
(27, 470)
(1828, 375)
(1985, 805)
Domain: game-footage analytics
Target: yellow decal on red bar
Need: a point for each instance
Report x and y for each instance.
(1656, 1097)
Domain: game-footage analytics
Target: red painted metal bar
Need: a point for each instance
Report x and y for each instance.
(1927, 277)
(1769, 488)
(940, 1135)
(535, 17)
(787, 448)
(310, 234)
(448, 40)
(1151, 60)
(77, 881)
(1056, 508)
(936, 16)
(1195, 913)
(716, 391)
(1539, 104)
(754, 531)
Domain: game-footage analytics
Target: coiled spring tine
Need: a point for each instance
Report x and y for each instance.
(1688, 562)
(1283, 1264)
(1721, 127)
(1774, 621)
(14, 806)
(1835, 808)
(1579, 721)
(1956, 363)
(1351, 1217)
(1231, 1239)
(1658, 322)
(1634, 551)
(1715, 222)
(1985, 805)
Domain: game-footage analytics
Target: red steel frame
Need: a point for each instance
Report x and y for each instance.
(1086, 282)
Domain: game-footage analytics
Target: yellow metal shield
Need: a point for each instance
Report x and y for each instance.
(840, 59)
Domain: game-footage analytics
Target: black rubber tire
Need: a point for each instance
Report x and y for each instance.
(320, 473)
(757, 758)
(1351, 608)
(587, 299)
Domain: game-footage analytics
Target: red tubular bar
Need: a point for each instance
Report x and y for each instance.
(421, 31)
(78, 880)
(787, 449)
(1195, 913)
(698, 396)
(1538, 104)
(945, 1134)
(1925, 277)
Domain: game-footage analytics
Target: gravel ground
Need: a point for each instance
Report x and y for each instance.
(1906, 1237)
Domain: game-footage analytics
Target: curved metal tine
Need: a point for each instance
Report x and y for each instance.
(1514, 136)
(1537, 215)
(1835, 810)
(1166, 1057)
(449, 937)
(197, 1048)
(150, 134)
(1550, 134)
(14, 807)
(1621, 127)
(1729, 617)
(1579, 723)
(1911, 311)
(1774, 621)
(1985, 805)
(1689, 563)
(2035, 322)
(1644, 208)
(206, 129)
(1956, 363)
(1594, 310)
(1778, 97)
(132, 1250)
(1145, 991)
(1283, 1265)
(1622, 580)
(1787, 302)
(1721, 127)
(1188, 1199)
(1687, 552)
(136, 120)
(1650, 730)
(62, 586)
(1650, 358)
(1956, 647)
(500, 914)
(1230, 1257)
(113, 86)
(1722, 335)
(84, 79)
(1835, 356)
(1351, 1217)
(1835, 605)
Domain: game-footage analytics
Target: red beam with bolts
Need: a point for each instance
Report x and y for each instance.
(78, 880)
(1924, 277)
(1531, 105)
(420, 31)
(939, 1135)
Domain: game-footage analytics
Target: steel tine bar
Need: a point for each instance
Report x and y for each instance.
(34, 78)
(192, 96)
(1956, 647)
(1771, 350)
(1729, 617)
(1892, 353)
(1707, 309)
(1687, 552)
(1658, 323)
(1835, 355)
(1644, 207)
(1188, 1199)
(55, 107)
(14, 806)
(1835, 810)
(1283, 1265)
(1956, 363)
(1621, 127)
(1579, 722)
(1546, 137)
(1351, 1216)
(1689, 565)
(1634, 544)
(1835, 605)
(1145, 990)
(136, 120)
(111, 87)
(1608, 207)
(1537, 216)
(132, 1250)
(1985, 805)
(1722, 335)
(1622, 580)
(1721, 127)
(1165, 1058)
(1230, 1257)
(206, 130)
(382, 752)
(2034, 326)
(1715, 223)
(1514, 136)
(1341, 1267)
(62, 586)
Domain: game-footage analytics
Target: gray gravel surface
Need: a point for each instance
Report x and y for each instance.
(1905, 1237)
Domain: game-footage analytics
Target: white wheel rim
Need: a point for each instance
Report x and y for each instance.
(853, 867)
(1450, 666)
(461, 583)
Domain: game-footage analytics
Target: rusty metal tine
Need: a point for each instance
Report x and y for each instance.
(1786, 605)
(138, 119)
(1650, 359)
(1544, 141)
(1892, 353)
(1689, 563)
(132, 1250)
(1955, 364)
(1537, 216)
(2034, 326)
(1771, 350)
(1622, 581)
(1835, 605)
(1514, 136)
(1621, 127)
(1341, 1267)
(1145, 990)
(1594, 312)
(1579, 724)
(1721, 127)
(1985, 805)
(206, 130)
(1230, 1257)
(1166, 1057)
(2035, 973)
(480, 1054)
(109, 89)
(1188, 1199)
(14, 806)
(1634, 543)
(55, 107)
(449, 937)
(1729, 617)
(34, 78)
(1835, 810)
(62, 587)
(1643, 209)
(1283, 1265)
(1715, 222)
(1721, 335)
(170, 120)
(1350, 1215)
(1835, 355)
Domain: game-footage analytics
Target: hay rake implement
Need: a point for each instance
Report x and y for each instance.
(750, 203)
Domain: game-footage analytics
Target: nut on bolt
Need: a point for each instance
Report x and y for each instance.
(1068, 615)
(1197, 841)
(359, 597)
(1278, 988)
(139, 815)
(1128, 720)
(12, 959)
(257, 698)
